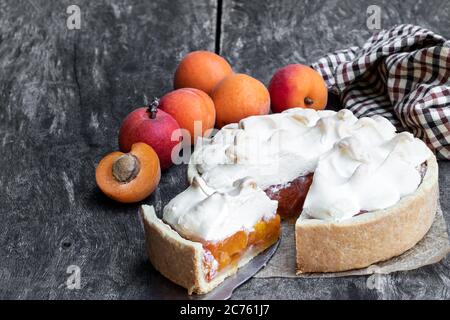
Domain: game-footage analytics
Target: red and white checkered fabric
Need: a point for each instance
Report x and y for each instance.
(402, 74)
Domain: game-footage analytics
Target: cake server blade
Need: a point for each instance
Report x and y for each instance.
(163, 289)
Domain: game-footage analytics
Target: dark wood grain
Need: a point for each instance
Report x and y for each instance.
(258, 37)
(63, 94)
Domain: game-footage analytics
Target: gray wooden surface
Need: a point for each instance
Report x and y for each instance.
(63, 94)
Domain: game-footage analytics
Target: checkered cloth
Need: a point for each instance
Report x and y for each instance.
(402, 74)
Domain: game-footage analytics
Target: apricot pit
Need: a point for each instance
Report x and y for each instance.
(126, 168)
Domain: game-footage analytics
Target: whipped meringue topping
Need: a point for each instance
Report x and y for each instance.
(272, 149)
(361, 174)
(202, 213)
(359, 165)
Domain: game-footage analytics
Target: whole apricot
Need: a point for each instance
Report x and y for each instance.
(129, 177)
(153, 127)
(190, 108)
(297, 86)
(201, 70)
(239, 96)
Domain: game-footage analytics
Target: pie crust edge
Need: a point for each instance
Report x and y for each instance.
(323, 246)
(181, 260)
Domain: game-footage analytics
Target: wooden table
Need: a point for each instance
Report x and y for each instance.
(63, 94)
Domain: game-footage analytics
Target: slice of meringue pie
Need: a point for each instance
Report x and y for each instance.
(350, 183)
(206, 235)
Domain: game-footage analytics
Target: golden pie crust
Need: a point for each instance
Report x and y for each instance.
(181, 260)
(324, 246)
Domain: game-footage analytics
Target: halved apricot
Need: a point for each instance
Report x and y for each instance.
(129, 177)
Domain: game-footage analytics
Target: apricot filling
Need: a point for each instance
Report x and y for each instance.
(228, 251)
(290, 196)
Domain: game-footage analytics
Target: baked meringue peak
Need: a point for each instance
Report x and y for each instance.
(306, 117)
(345, 114)
(200, 184)
(353, 148)
(247, 182)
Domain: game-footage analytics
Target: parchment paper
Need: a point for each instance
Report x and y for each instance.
(431, 249)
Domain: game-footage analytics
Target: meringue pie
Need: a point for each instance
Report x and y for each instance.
(361, 193)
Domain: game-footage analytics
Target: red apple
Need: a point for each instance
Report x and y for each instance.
(153, 127)
(297, 86)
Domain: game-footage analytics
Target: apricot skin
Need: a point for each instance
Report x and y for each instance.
(201, 70)
(239, 96)
(188, 105)
(293, 84)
